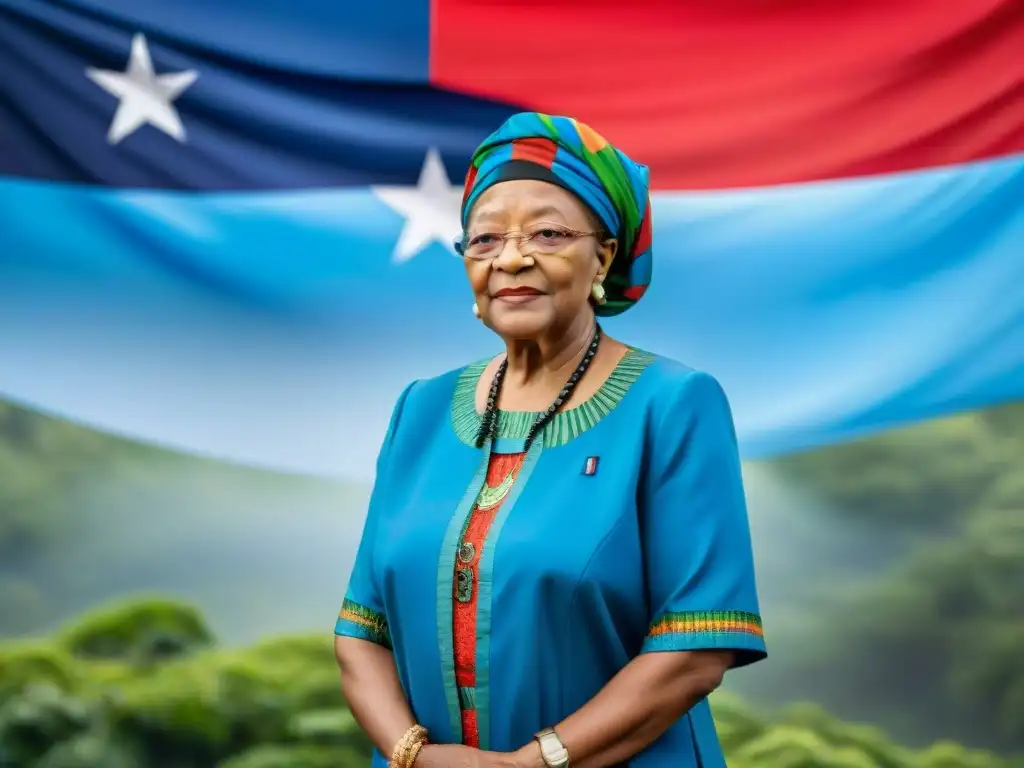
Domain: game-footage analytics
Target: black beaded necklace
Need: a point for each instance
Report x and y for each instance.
(489, 421)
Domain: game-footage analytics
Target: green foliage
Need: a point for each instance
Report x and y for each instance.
(295, 756)
(805, 737)
(141, 631)
(923, 477)
(936, 641)
(278, 705)
(40, 717)
(23, 665)
(88, 693)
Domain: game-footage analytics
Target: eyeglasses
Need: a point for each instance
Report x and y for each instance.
(543, 240)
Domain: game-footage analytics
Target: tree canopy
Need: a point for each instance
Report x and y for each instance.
(184, 702)
(933, 644)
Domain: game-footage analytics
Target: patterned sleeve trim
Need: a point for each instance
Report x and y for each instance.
(706, 630)
(357, 620)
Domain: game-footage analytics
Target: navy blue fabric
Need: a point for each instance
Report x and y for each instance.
(381, 41)
(264, 112)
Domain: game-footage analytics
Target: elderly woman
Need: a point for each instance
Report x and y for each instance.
(556, 565)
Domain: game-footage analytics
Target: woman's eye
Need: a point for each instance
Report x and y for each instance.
(550, 234)
(484, 239)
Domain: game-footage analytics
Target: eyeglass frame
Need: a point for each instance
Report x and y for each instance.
(525, 237)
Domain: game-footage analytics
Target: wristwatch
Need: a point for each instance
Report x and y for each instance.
(552, 750)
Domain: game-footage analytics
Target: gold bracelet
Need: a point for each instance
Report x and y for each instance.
(404, 761)
(412, 747)
(398, 755)
(408, 747)
(414, 753)
(398, 752)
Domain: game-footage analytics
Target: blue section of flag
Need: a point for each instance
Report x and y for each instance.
(342, 103)
(275, 329)
(385, 41)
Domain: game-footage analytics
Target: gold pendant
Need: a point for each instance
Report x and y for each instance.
(492, 497)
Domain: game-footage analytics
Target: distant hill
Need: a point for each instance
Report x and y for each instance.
(85, 517)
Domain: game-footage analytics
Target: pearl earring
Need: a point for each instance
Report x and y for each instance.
(597, 291)
(476, 310)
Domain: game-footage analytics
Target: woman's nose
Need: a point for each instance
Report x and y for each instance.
(511, 258)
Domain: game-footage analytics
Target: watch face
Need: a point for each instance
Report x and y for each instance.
(552, 749)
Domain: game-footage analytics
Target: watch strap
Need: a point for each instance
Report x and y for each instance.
(552, 750)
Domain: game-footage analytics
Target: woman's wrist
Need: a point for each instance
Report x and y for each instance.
(528, 756)
(408, 747)
(424, 758)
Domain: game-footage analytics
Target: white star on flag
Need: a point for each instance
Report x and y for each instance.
(431, 209)
(145, 97)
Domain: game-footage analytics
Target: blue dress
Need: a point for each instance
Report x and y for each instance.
(623, 531)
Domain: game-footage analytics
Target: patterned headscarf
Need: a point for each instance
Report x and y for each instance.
(574, 156)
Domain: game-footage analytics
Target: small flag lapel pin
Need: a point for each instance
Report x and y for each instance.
(590, 466)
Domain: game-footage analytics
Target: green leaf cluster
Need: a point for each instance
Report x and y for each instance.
(102, 692)
(143, 685)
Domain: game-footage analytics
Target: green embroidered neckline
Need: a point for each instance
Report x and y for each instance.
(565, 425)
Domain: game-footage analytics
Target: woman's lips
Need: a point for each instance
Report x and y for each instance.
(517, 295)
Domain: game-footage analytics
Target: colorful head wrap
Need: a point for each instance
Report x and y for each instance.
(574, 156)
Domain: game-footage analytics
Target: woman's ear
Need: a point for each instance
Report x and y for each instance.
(606, 250)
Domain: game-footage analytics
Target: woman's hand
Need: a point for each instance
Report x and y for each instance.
(459, 756)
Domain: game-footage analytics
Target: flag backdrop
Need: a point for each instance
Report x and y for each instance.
(224, 226)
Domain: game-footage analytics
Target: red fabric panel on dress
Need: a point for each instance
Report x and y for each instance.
(464, 614)
(470, 732)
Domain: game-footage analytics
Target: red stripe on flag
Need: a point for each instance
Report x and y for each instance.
(539, 151)
(726, 93)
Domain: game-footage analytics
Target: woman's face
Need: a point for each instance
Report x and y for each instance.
(547, 288)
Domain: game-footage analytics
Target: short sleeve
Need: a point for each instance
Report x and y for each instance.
(362, 612)
(698, 557)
